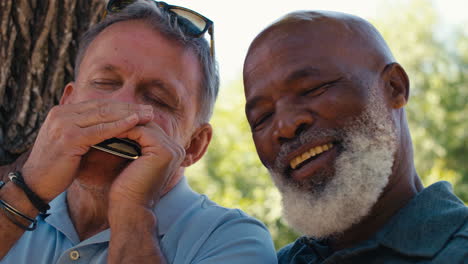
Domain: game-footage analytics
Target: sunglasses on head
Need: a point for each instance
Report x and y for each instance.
(191, 22)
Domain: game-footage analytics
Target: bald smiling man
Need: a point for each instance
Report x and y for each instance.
(325, 102)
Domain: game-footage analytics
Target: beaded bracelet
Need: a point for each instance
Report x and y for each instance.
(10, 211)
(17, 179)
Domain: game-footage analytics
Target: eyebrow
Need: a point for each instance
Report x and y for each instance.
(108, 68)
(252, 103)
(294, 76)
(302, 73)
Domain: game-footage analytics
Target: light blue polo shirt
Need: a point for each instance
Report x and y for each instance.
(192, 229)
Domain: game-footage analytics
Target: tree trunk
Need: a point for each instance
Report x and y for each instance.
(38, 43)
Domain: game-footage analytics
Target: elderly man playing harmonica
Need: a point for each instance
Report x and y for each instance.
(72, 203)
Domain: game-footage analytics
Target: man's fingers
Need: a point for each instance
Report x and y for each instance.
(86, 106)
(102, 131)
(149, 134)
(145, 178)
(111, 112)
(156, 143)
(82, 107)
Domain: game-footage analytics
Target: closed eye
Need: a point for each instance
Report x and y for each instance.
(318, 90)
(104, 84)
(257, 125)
(151, 99)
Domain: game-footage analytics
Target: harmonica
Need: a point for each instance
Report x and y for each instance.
(121, 147)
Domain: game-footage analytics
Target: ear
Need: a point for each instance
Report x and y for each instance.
(198, 144)
(396, 84)
(67, 92)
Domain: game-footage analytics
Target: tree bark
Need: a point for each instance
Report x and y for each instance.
(38, 44)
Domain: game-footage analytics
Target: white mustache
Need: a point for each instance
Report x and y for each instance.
(305, 137)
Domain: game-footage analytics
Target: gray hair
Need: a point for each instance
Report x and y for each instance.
(163, 23)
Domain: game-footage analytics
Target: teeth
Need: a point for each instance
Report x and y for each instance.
(320, 149)
(309, 154)
(293, 163)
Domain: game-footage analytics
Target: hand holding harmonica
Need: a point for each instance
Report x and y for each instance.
(68, 133)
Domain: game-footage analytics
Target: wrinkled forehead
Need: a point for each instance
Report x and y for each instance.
(290, 46)
(348, 43)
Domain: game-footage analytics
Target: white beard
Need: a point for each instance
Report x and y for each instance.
(361, 173)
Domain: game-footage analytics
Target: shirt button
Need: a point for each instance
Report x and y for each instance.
(74, 255)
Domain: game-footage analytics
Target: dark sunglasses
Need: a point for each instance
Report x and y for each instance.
(191, 22)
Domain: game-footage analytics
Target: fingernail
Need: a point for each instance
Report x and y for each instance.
(148, 112)
(132, 118)
(149, 115)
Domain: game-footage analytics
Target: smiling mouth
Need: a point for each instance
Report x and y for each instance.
(309, 154)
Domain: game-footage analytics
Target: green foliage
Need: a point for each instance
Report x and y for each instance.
(437, 66)
(232, 175)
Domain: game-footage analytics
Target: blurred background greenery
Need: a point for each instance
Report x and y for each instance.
(437, 64)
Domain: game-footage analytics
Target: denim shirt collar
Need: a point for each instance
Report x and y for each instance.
(425, 224)
(421, 228)
(169, 208)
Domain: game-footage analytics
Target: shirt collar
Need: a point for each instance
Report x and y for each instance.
(169, 208)
(425, 224)
(421, 228)
(58, 217)
(172, 205)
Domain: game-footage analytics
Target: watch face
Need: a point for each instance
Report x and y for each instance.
(121, 147)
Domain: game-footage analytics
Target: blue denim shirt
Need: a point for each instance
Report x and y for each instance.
(431, 228)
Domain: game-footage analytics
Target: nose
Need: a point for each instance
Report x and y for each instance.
(127, 93)
(290, 123)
